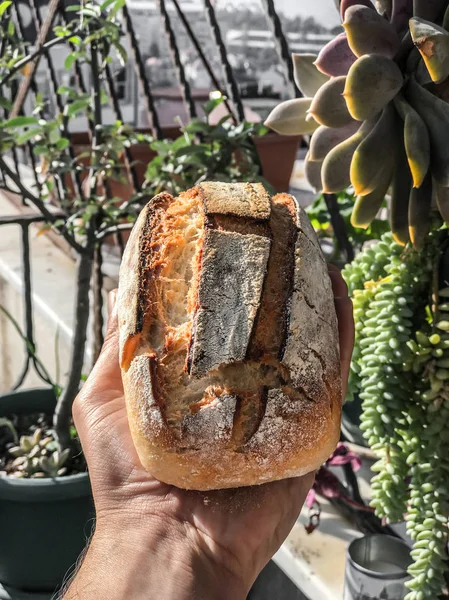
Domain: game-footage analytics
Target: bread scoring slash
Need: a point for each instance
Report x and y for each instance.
(228, 339)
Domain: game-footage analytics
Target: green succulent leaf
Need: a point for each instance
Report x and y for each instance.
(292, 118)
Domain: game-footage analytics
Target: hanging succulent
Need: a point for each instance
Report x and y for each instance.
(400, 369)
(376, 102)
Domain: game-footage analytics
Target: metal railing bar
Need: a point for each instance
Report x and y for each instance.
(202, 55)
(281, 45)
(33, 87)
(26, 219)
(174, 49)
(57, 97)
(231, 83)
(128, 159)
(152, 114)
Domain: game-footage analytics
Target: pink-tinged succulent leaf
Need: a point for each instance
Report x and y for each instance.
(369, 33)
(291, 118)
(307, 77)
(402, 12)
(336, 57)
(345, 4)
(433, 43)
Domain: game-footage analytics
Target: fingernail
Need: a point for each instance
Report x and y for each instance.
(112, 298)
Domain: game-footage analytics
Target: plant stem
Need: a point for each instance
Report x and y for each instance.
(63, 412)
(338, 225)
(39, 204)
(39, 51)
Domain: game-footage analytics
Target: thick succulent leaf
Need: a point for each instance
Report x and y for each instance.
(326, 138)
(369, 33)
(401, 13)
(442, 197)
(329, 106)
(401, 187)
(431, 10)
(372, 82)
(307, 77)
(375, 155)
(345, 4)
(419, 212)
(384, 7)
(336, 57)
(289, 118)
(433, 43)
(336, 165)
(445, 23)
(366, 207)
(312, 169)
(416, 140)
(435, 114)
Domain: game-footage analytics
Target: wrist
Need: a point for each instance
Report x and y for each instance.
(153, 559)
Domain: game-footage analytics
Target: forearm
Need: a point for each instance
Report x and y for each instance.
(120, 565)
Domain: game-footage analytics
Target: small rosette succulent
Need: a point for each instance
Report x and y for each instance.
(376, 101)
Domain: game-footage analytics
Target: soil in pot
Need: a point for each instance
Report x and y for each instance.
(44, 522)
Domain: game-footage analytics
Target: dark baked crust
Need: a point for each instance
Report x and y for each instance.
(260, 397)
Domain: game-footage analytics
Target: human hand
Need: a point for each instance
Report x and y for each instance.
(177, 543)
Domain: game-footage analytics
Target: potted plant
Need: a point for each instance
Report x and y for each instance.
(41, 472)
(381, 123)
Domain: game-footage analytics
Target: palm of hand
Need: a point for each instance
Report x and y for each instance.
(241, 526)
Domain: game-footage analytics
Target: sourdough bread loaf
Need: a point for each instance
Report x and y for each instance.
(228, 339)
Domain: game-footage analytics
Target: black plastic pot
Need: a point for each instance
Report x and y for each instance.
(44, 523)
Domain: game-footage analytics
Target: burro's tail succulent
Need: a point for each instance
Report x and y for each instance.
(377, 93)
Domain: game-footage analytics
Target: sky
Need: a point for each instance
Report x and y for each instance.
(324, 11)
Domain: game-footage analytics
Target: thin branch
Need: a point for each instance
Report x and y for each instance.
(63, 412)
(38, 52)
(38, 203)
(112, 230)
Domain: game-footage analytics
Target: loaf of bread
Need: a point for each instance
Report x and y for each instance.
(228, 339)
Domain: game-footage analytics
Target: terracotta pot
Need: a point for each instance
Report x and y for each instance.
(277, 154)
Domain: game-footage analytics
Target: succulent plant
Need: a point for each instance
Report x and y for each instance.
(376, 100)
(36, 455)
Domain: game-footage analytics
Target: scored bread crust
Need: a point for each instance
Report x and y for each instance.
(228, 339)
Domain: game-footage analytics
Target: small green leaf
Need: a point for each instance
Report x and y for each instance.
(70, 60)
(122, 54)
(62, 143)
(64, 90)
(105, 4)
(11, 28)
(119, 4)
(4, 6)
(74, 8)
(197, 149)
(77, 106)
(40, 150)
(26, 136)
(212, 104)
(4, 103)
(21, 122)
